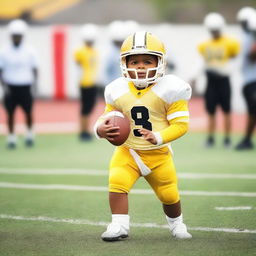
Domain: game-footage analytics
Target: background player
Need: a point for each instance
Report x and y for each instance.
(118, 31)
(247, 20)
(18, 74)
(216, 53)
(87, 59)
(158, 111)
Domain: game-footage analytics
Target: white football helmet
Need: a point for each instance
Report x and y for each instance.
(214, 21)
(17, 27)
(143, 43)
(245, 13)
(89, 32)
(117, 30)
(252, 22)
(131, 27)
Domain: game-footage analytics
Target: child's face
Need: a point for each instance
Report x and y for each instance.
(141, 62)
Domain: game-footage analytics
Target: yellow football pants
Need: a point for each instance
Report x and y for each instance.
(124, 172)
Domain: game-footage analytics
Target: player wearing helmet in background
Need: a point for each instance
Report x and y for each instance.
(247, 19)
(18, 74)
(217, 53)
(118, 31)
(157, 107)
(87, 58)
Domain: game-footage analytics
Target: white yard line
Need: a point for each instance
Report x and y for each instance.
(140, 225)
(28, 171)
(234, 208)
(216, 176)
(52, 187)
(134, 191)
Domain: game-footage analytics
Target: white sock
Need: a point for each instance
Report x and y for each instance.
(174, 221)
(122, 219)
(30, 134)
(11, 138)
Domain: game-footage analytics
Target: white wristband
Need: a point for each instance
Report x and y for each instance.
(95, 127)
(158, 137)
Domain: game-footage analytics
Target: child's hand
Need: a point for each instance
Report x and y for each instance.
(108, 131)
(148, 135)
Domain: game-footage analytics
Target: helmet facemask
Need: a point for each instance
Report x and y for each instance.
(143, 82)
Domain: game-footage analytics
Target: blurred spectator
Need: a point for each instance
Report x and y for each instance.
(217, 52)
(247, 19)
(87, 59)
(18, 74)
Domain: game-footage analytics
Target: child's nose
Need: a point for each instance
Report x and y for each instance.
(141, 65)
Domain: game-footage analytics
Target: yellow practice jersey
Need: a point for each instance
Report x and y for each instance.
(155, 108)
(87, 58)
(217, 53)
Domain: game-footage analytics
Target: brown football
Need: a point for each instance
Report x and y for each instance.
(119, 119)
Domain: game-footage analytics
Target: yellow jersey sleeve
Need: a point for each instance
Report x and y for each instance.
(234, 48)
(77, 56)
(109, 108)
(178, 117)
(173, 132)
(201, 48)
(178, 109)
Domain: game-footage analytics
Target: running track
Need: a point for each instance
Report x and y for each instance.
(63, 117)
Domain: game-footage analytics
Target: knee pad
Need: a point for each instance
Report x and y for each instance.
(168, 194)
(118, 183)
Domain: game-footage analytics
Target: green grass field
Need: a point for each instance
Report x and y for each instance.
(54, 201)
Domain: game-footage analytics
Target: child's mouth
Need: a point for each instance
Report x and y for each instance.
(141, 75)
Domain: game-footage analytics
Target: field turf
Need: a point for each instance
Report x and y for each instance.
(54, 201)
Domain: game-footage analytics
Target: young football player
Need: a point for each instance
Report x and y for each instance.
(247, 20)
(18, 76)
(217, 53)
(157, 107)
(87, 58)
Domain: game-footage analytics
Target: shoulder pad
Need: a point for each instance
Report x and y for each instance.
(115, 89)
(171, 89)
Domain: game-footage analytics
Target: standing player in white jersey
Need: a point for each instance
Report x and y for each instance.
(18, 73)
(157, 107)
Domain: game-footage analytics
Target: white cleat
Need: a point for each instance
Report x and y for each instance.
(114, 232)
(29, 139)
(180, 231)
